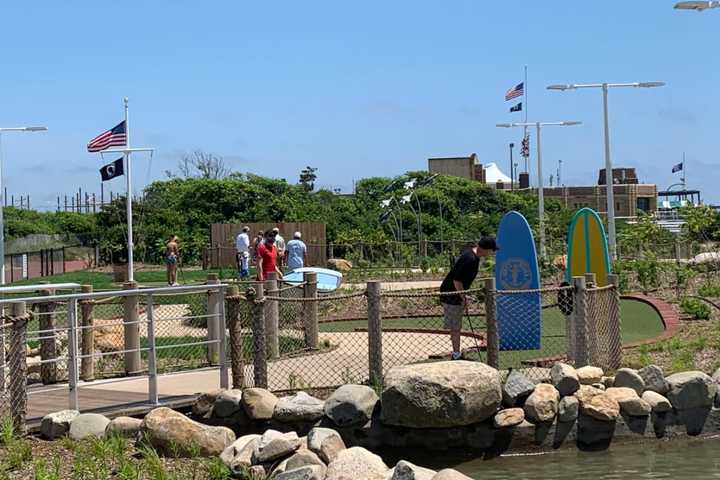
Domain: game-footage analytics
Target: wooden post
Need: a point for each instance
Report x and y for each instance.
(614, 325)
(48, 342)
(581, 355)
(213, 324)
(375, 346)
(331, 250)
(87, 362)
(272, 316)
(260, 368)
(131, 327)
(493, 339)
(234, 322)
(310, 311)
(18, 367)
(424, 247)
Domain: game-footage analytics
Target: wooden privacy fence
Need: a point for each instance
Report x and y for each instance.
(221, 253)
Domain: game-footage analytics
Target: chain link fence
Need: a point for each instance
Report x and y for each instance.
(605, 342)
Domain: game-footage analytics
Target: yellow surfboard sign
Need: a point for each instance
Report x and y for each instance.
(587, 247)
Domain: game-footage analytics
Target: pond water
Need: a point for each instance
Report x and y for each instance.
(687, 460)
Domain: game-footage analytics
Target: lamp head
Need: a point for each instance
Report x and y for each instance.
(651, 84)
(561, 87)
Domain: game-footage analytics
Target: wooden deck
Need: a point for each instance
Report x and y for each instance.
(111, 403)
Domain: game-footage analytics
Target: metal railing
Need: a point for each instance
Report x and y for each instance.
(67, 341)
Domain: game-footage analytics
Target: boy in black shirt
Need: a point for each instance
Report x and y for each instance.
(460, 277)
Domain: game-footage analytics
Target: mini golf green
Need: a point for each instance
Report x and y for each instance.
(639, 322)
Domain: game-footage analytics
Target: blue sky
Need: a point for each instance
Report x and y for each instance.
(353, 88)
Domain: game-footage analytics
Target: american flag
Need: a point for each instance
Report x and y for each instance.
(115, 137)
(517, 91)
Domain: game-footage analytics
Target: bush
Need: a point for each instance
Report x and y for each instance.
(710, 289)
(697, 308)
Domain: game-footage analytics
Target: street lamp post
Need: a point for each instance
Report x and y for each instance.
(612, 237)
(512, 175)
(2, 197)
(541, 195)
(697, 6)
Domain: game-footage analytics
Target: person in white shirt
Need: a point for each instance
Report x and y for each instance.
(242, 255)
(296, 252)
(280, 244)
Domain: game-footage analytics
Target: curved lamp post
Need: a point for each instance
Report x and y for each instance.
(612, 237)
(2, 199)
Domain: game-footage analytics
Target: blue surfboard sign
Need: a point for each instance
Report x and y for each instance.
(516, 268)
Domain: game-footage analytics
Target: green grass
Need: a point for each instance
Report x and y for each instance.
(104, 281)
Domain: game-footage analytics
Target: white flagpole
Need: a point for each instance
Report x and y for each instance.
(128, 201)
(684, 172)
(525, 130)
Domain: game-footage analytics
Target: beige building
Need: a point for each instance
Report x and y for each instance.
(464, 167)
(630, 199)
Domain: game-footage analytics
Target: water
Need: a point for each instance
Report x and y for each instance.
(685, 460)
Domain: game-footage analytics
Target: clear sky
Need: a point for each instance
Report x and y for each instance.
(354, 88)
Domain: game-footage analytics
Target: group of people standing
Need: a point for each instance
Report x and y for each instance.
(269, 252)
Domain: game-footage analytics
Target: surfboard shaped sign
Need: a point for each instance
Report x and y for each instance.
(587, 247)
(516, 268)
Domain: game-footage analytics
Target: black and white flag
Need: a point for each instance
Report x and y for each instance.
(112, 170)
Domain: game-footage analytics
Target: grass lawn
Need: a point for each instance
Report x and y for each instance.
(154, 278)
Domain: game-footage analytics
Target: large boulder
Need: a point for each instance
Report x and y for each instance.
(589, 375)
(299, 459)
(516, 389)
(326, 443)
(542, 405)
(88, 425)
(57, 424)
(351, 405)
(601, 407)
(357, 464)
(307, 472)
(407, 471)
(450, 474)
(172, 432)
(300, 407)
(629, 401)
(238, 455)
(127, 427)
(509, 417)
(441, 394)
(259, 404)
(627, 377)
(273, 445)
(657, 402)
(568, 409)
(564, 379)
(691, 390)
(654, 379)
(340, 265)
(227, 403)
(586, 393)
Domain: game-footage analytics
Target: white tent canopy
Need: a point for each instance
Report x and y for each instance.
(493, 174)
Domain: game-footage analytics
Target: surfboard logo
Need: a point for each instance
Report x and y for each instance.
(515, 274)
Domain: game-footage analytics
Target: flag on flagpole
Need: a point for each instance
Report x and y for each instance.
(115, 137)
(517, 91)
(678, 168)
(112, 170)
(516, 108)
(525, 150)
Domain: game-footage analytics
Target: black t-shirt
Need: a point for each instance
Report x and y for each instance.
(465, 270)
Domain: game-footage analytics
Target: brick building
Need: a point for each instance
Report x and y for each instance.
(630, 199)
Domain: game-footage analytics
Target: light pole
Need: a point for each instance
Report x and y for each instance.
(2, 199)
(512, 175)
(612, 237)
(697, 6)
(541, 197)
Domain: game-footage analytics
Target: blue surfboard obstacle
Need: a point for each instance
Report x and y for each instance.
(327, 280)
(516, 268)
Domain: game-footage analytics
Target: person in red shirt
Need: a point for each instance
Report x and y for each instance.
(267, 257)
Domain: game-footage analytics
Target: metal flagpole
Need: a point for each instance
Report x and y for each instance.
(128, 198)
(525, 131)
(684, 173)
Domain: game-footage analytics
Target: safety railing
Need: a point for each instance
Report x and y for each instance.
(52, 345)
(359, 336)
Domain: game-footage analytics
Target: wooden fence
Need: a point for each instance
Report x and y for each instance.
(221, 252)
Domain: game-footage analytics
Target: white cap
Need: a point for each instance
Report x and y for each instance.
(276, 230)
(297, 235)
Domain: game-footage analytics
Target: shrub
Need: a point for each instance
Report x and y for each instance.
(710, 289)
(698, 309)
